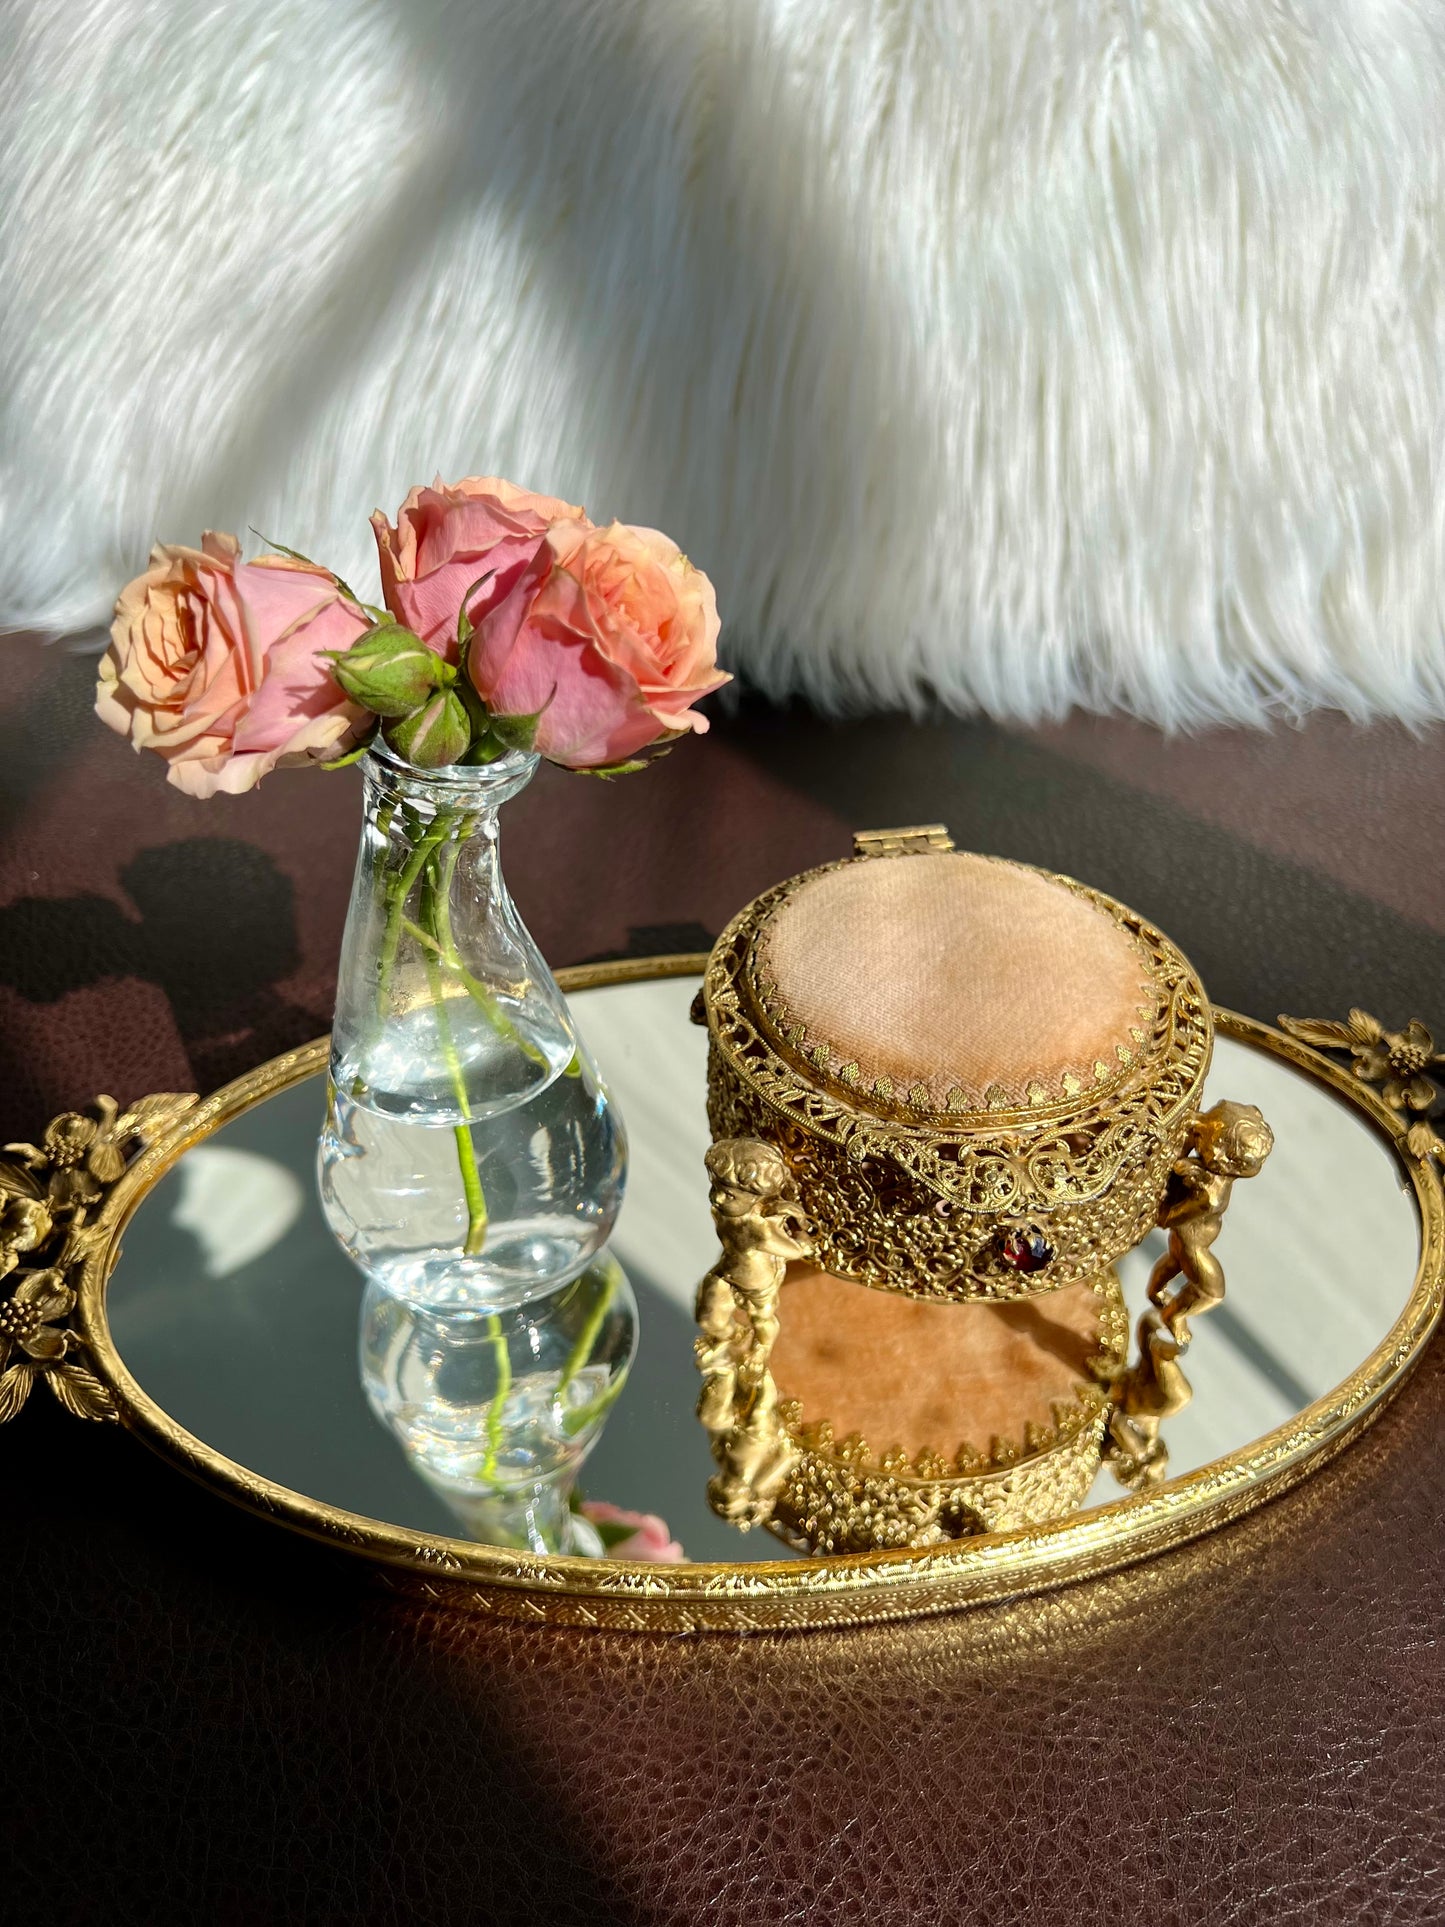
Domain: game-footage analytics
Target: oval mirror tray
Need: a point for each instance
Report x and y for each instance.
(224, 1335)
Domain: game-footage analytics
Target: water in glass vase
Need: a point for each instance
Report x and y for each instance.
(470, 1157)
(549, 1169)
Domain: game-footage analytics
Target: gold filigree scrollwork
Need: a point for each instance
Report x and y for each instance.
(48, 1192)
(1227, 1142)
(1396, 1061)
(760, 1229)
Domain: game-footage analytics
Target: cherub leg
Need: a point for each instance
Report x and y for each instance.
(716, 1351)
(1167, 1269)
(716, 1307)
(763, 1317)
(717, 1402)
(1203, 1286)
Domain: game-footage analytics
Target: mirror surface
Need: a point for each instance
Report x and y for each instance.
(237, 1314)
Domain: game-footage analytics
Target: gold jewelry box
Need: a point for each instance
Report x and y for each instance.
(977, 1073)
(949, 1079)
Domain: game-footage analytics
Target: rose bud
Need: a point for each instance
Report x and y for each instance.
(436, 734)
(389, 670)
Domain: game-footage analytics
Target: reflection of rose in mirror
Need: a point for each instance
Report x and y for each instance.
(237, 1205)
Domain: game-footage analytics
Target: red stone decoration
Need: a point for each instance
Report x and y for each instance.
(1025, 1249)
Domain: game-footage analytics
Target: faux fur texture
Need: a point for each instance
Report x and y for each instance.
(1025, 352)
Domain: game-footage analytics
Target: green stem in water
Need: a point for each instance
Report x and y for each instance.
(499, 1398)
(587, 1337)
(581, 1416)
(472, 1190)
(397, 892)
(476, 990)
(466, 1151)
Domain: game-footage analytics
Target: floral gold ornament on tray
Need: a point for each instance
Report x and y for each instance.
(1395, 1060)
(47, 1192)
(947, 1094)
(471, 1162)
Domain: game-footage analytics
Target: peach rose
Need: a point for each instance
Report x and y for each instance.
(445, 539)
(608, 647)
(216, 664)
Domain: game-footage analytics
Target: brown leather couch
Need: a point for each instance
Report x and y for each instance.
(205, 1721)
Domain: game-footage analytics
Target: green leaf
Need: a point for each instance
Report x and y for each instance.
(295, 555)
(281, 549)
(650, 755)
(485, 749)
(608, 770)
(352, 755)
(464, 621)
(612, 1535)
(517, 732)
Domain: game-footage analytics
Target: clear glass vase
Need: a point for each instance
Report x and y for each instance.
(471, 1159)
(497, 1411)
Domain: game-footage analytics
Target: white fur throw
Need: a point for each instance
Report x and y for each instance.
(1020, 352)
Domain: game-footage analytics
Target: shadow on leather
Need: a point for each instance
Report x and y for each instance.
(213, 926)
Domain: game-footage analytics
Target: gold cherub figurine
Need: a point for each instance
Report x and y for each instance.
(759, 1230)
(754, 1459)
(1154, 1389)
(1226, 1142)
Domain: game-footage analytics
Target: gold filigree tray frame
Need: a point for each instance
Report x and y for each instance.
(82, 1188)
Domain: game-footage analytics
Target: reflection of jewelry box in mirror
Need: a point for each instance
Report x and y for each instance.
(880, 1455)
(948, 1078)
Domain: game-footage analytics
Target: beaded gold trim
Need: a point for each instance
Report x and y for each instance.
(917, 1205)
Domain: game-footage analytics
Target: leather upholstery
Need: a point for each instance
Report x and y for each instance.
(205, 1720)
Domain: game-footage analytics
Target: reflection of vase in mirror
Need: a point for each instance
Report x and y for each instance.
(471, 1157)
(498, 1410)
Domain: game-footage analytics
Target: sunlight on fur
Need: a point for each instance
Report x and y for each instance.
(1021, 355)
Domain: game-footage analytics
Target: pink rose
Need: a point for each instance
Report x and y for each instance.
(217, 664)
(445, 539)
(608, 647)
(648, 1539)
